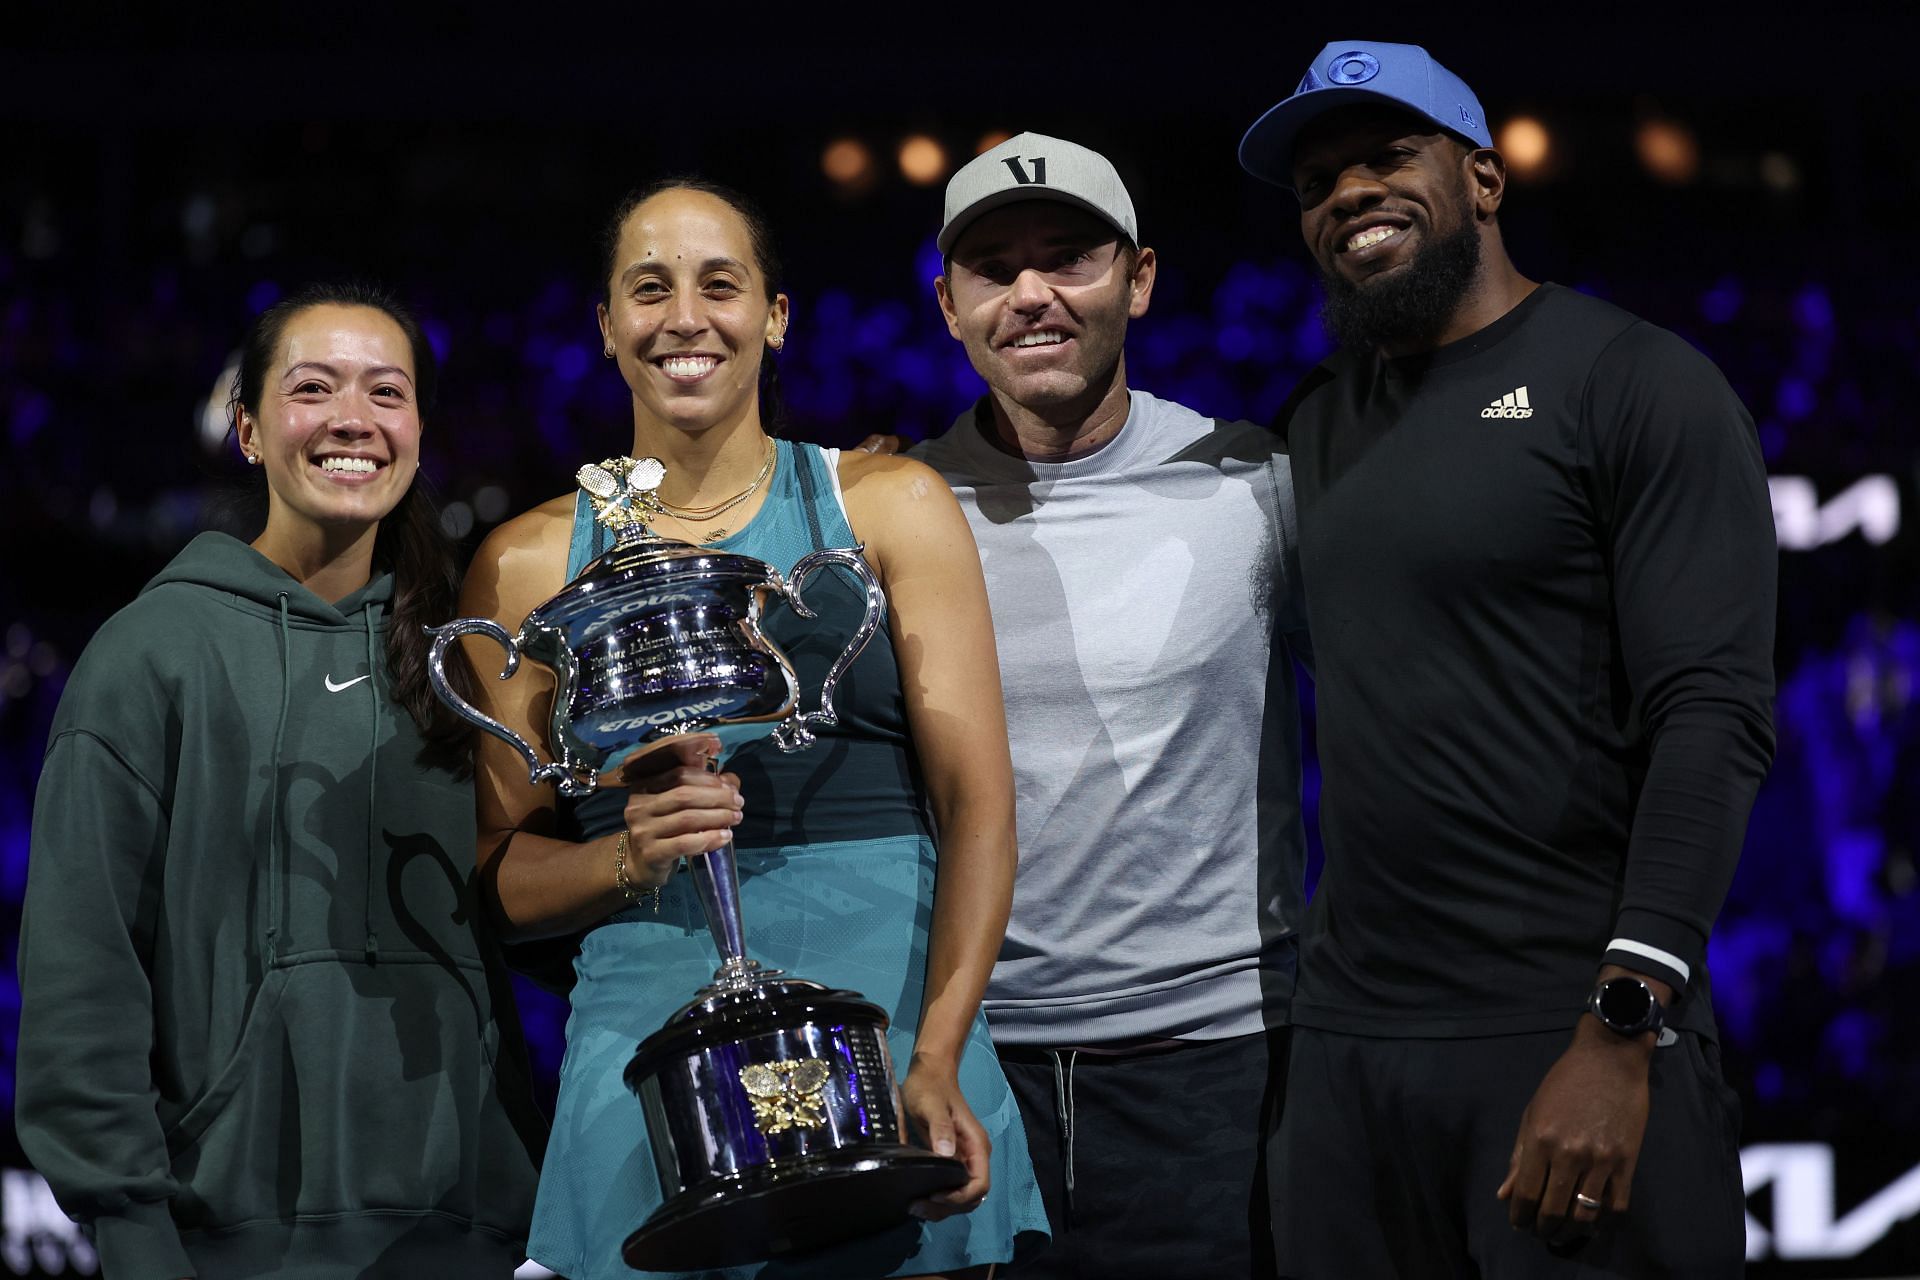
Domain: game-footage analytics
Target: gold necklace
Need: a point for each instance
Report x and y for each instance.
(713, 509)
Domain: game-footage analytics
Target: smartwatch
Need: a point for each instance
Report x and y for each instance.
(1626, 1006)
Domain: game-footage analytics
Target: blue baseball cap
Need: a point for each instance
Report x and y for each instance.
(1353, 72)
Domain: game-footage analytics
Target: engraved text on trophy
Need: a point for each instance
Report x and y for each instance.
(684, 664)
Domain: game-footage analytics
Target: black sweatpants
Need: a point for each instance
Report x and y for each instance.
(1152, 1165)
(1390, 1152)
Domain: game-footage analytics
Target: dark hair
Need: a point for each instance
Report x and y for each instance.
(773, 409)
(411, 543)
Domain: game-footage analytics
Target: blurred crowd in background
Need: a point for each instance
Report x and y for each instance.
(1762, 229)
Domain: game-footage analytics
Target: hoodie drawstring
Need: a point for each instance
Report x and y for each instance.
(373, 773)
(275, 846)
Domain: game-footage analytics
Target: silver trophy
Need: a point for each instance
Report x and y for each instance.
(771, 1103)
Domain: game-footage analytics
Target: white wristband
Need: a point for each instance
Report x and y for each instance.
(1654, 954)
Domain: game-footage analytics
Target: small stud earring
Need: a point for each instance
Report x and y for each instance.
(777, 341)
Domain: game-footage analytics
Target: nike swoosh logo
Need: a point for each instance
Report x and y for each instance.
(335, 688)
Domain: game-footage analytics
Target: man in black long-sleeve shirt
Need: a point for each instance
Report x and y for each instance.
(1539, 562)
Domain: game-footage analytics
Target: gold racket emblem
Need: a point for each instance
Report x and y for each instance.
(787, 1095)
(621, 491)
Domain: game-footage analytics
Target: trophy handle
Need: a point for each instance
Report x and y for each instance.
(796, 731)
(569, 783)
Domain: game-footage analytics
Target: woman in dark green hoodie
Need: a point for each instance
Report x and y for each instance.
(261, 1029)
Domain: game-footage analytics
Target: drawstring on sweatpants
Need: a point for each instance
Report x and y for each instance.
(1063, 1106)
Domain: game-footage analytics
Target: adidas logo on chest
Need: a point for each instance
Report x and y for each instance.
(1511, 405)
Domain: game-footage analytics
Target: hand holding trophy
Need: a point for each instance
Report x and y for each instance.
(771, 1102)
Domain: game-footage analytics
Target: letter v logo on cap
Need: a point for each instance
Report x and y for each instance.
(1020, 175)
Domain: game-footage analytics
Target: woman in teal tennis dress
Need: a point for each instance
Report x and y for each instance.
(835, 843)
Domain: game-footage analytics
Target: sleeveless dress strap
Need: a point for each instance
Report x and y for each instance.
(590, 539)
(809, 474)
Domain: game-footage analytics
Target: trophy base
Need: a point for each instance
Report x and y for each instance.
(789, 1207)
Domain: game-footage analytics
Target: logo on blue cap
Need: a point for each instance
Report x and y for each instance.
(1353, 67)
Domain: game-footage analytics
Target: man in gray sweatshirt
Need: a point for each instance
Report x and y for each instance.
(1141, 564)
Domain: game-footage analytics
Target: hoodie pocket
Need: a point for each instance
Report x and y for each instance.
(357, 1087)
(264, 1015)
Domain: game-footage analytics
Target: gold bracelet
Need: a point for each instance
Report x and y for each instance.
(625, 885)
(620, 881)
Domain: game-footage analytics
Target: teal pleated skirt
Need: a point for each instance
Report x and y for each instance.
(851, 914)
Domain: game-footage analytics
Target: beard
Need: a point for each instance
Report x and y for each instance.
(1409, 307)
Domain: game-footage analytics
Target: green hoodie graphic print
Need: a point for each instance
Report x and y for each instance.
(258, 1027)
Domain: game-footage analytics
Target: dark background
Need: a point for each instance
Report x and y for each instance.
(158, 187)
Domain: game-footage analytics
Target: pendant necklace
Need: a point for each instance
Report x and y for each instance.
(711, 510)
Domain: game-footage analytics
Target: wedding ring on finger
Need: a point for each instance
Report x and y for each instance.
(1586, 1201)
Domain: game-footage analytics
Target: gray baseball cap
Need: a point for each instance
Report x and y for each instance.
(1033, 166)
